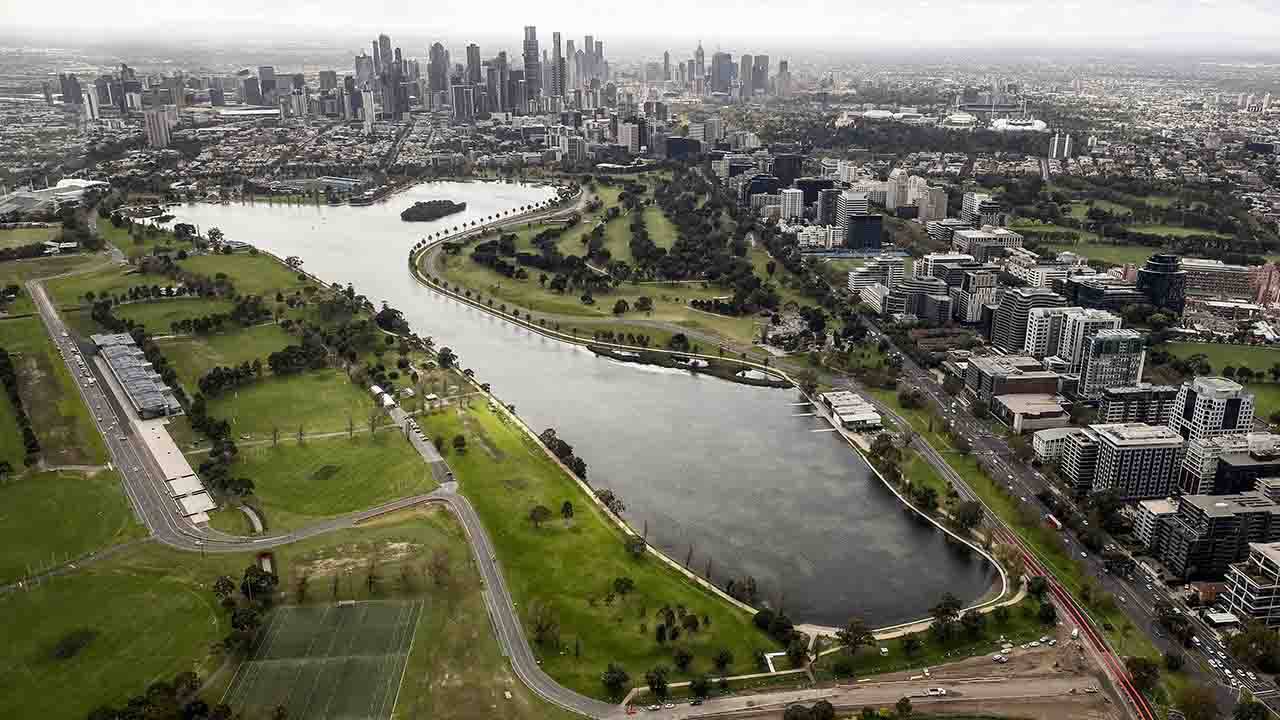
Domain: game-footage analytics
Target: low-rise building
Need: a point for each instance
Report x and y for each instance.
(851, 410)
(987, 377)
(1026, 412)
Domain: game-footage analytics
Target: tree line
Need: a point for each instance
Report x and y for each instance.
(9, 376)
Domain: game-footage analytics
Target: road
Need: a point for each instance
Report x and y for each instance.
(1136, 598)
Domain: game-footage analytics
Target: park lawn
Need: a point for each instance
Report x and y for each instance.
(17, 272)
(157, 316)
(59, 417)
(252, 274)
(1266, 396)
(1266, 399)
(918, 471)
(229, 519)
(191, 356)
(1023, 625)
(298, 484)
(17, 237)
(113, 280)
(569, 568)
(316, 401)
(1175, 231)
(1080, 209)
(1035, 226)
(47, 518)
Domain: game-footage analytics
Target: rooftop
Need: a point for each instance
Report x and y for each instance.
(1053, 434)
(1229, 505)
(1163, 506)
(1132, 434)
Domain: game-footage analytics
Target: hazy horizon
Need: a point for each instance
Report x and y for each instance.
(1240, 27)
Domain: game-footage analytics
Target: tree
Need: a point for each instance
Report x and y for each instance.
(797, 712)
(656, 679)
(1143, 672)
(615, 680)
(623, 585)
(682, 657)
(1048, 614)
(279, 712)
(854, 635)
(1173, 661)
(1250, 709)
(903, 706)
(1038, 586)
(566, 511)
(968, 515)
(911, 643)
(620, 307)
(723, 659)
(539, 514)
(460, 443)
(945, 614)
(224, 586)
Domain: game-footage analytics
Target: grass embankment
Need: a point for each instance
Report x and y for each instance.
(59, 417)
(1021, 625)
(297, 485)
(316, 401)
(193, 356)
(17, 272)
(565, 570)
(48, 518)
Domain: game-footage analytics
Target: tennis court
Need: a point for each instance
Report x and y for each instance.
(336, 662)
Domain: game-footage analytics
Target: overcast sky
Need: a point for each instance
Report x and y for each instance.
(1227, 25)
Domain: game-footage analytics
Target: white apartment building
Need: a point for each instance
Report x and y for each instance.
(887, 271)
(1212, 406)
(1111, 358)
(792, 203)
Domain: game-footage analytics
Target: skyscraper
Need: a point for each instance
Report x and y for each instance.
(760, 73)
(666, 65)
(384, 54)
(364, 70)
(721, 71)
(699, 62)
(588, 50)
(474, 75)
(532, 63)
(745, 68)
(437, 68)
(557, 66)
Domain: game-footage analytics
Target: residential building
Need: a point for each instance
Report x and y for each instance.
(1211, 532)
(157, 121)
(1113, 358)
(1229, 463)
(792, 203)
(936, 264)
(1080, 461)
(943, 230)
(978, 209)
(1045, 330)
(1100, 291)
(1143, 402)
(1212, 406)
(1151, 523)
(1137, 461)
(850, 203)
(886, 270)
(1009, 325)
(977, 289)
(1079, 326)
(1050, 444)
(1253, 586)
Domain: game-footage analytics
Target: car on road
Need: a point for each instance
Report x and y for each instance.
(651, 708)
(936, 692)
(669, 706)
(1084, 555)
(1252, 676)
(696, 701)
(1044, 639)
(1052, 643)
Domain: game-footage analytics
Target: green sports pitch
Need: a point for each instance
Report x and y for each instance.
(336, 662)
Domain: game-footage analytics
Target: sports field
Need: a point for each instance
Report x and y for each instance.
(335, 661)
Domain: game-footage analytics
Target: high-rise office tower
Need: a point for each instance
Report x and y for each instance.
(328, 80)
(71, 92)
(721, 71)
(1210, 407)
(666, 65)
(1164, 281)
(474, 76)
(1111, 358)
(699, 62)
(689, 71)
(1009, 326)
(532, 62)
(557, 66)
(267, 83)
(588, 50)
(760, 73)
(377, 59)
(437, 68)
(546, 86)
(385, 54)
(364, 70)
(745, 68)
(572, 74)
(503, 99)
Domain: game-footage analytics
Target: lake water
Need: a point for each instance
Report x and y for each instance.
(742, 474)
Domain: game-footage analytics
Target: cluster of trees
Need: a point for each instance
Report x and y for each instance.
(30, 443)
(177, 699)
(216, 469)
(221, 379)
(22, 252)
(622, 338)
(245, 603)
(564, 451)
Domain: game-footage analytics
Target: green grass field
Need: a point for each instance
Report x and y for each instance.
(193, 356)
(139, 246)
(58, 415)
(157, 316)
(299, 484)
(318, 401)
(112, 280)
(12, 448)
(331, 661)
(252, 274)
(49, 517)
(1115, 254)
(569, 568)
(17, 237)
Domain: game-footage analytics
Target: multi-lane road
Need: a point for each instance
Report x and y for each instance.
(1136, 594)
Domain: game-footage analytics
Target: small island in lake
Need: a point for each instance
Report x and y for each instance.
(431, 210)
